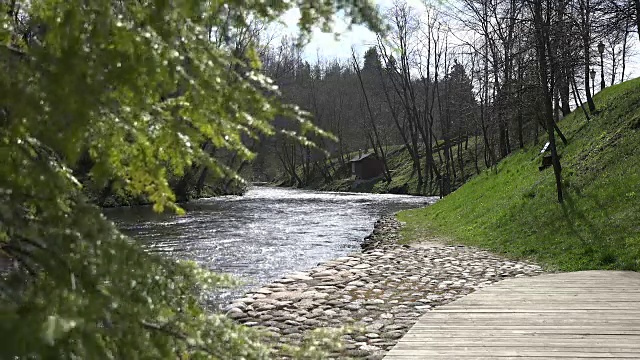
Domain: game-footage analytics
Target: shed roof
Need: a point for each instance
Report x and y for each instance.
(362, 157)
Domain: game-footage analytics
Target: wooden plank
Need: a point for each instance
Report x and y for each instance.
(552, 307)
(596, 289)
(505, 357)
(513, 347)
(479, 357)
(529, 295)
(532, 307)
(502, 352)
(525, 328)
(588, 282)
(573, 284)
(568, 292)
(561, 290)
(558, 300)
(495, 335)
(431, 354)
(479, 314)
(573, 315)
(584, 342)
(525, 332)
(524, 317)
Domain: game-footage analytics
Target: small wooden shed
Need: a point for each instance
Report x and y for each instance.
(366, 166)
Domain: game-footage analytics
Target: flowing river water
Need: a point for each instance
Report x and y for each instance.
(265, 234)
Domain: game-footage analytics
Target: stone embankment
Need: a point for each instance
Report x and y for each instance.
(383, 289)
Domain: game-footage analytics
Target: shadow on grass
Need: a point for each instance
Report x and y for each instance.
(597, 247)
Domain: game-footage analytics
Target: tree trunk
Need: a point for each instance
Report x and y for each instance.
(585, 12)
(520, 114)
(637, 3)
(578, 100)
(376, 142)
(547, 97)
(475, 157)
(624, 48)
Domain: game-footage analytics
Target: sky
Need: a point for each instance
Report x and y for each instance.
(326, 46)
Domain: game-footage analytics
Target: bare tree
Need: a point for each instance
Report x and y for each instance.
(542, 26)
(375, 138)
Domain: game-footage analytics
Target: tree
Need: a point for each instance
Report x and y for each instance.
(374, 137)
(142, 87)
(402, 41)
(637, 13)
(372, 63)
(541, 24)
(461, 106)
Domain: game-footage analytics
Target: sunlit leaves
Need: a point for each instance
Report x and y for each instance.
(55, 327)
(142, 88)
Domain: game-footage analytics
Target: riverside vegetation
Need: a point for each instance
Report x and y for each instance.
(513, 210)
(147, 92)
(404, 179)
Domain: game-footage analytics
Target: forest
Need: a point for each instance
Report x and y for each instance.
(458, 86)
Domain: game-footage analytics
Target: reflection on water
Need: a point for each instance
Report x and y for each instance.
(265, 234)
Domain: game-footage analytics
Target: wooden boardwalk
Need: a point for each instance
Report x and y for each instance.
(587, 314)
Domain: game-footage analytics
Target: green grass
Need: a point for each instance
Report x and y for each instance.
(515, 211)
(404, 178)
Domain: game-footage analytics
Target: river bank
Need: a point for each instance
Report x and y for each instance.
(515, 210)
(383, 289)
(263, 235)
(336, 174)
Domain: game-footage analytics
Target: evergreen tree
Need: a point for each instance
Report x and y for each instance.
(371, 61)
(460, 100)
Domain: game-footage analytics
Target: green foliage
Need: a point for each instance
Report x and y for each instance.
(514, 211)
(139, 85)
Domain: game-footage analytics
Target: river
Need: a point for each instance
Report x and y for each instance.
(264, 234)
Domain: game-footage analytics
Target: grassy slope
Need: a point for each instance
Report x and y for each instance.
(404, 179)
(515, 211)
